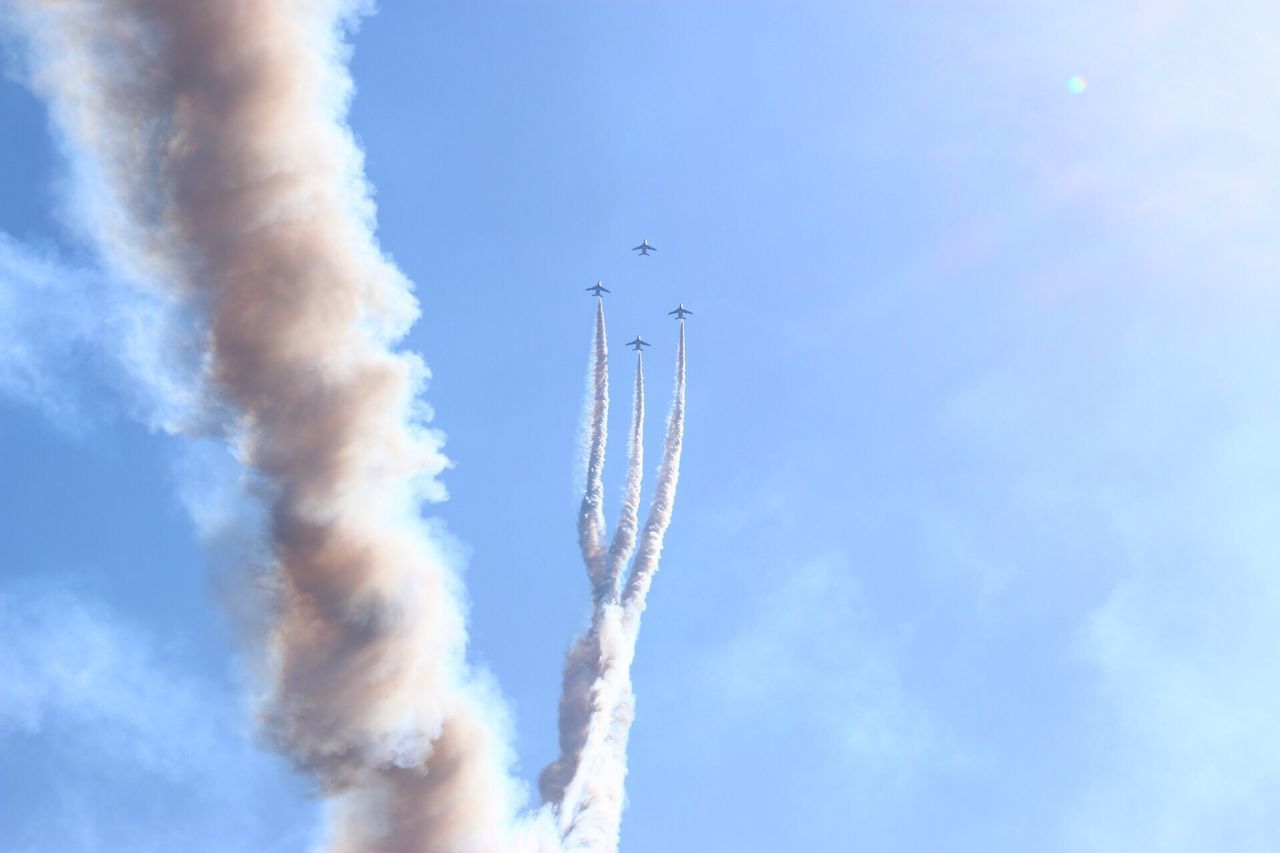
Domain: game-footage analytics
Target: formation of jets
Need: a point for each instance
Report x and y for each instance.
(680, 312)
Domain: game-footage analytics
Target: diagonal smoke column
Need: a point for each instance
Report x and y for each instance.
(214, 133)
(591, 806)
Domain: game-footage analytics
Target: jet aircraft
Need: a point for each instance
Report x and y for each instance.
(638, 343)
(644, 248)
(680, 311)
(599, 288)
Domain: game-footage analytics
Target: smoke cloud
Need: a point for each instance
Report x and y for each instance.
(217, 134)
(215, 169)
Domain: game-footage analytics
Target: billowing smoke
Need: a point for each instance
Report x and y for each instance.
(216, 131)
(215, 167)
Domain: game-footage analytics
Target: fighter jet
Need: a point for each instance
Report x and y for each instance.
(638, 343)
(599, 288)
(644, 248)
(680, 311)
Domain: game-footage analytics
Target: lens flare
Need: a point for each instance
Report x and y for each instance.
(1076, 84)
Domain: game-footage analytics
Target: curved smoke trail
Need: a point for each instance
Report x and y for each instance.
(215, 137)
(591, 811)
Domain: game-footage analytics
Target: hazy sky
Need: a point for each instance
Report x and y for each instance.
(976, 545)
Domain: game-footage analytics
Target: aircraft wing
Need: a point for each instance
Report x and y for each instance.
(637, 248)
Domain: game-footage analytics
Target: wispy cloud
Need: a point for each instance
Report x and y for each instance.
(807, 657)
(77, 344)
(1183, 649)
(114, 744)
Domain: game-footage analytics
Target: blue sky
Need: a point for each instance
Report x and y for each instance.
(975, 545)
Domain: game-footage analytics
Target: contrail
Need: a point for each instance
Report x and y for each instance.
(624, 537)
(581, 666)
(215, 136)
(597, 689)
(655, 529)
(591, 807)
(591, 516)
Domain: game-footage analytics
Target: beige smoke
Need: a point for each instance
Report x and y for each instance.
(214, 136)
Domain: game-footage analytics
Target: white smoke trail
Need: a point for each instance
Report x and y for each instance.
(581, 668)
(591, 515)
(212, 139)
(591, 810)
(624, 537)
(600, 646)
(582, 662)
(664, 497)
(587, 699)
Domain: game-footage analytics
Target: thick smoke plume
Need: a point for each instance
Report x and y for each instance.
(225, 172)
(215, 168)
